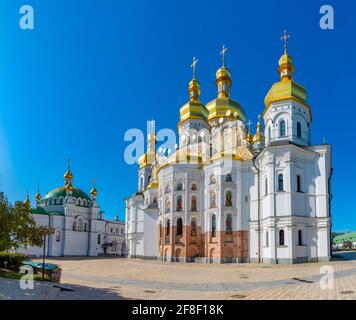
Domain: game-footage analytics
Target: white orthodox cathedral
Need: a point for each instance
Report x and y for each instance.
(227, 195)
(79, 226)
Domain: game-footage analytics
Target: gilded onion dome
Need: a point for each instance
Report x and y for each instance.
(27, 201)
(68, 175)
(223, 105)
(38, 195)
(93, 191)
(259, 136)
(69, 186)
(193, 109)
(286, 88)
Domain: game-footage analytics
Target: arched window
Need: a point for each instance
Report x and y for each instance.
(179, 203)
(55, 201)
(212, 179)
(266, 186)
(269, 137)
(212, 200)
(154, 200)
(99, 239)
(168, 227)
(300, 239)
(80, 224)
(299, 130)
(74, 227)
(58, 236)
(193, 227)
(229, 177)
(85, 227)
(282, 129)
(194, 186)
(79, 202)
(299, 183)
(61, 201)
(229, 224)
(213, 225)
(280, 183)
(228, 199)
(194, 203)
(179, 226)
(281, 237)
(180, 186)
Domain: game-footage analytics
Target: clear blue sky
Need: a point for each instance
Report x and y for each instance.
(93, 69)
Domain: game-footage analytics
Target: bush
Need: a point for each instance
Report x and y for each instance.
(14, 260)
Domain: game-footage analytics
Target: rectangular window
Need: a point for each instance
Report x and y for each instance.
(299, 183)
(280, 183)
(300, 239)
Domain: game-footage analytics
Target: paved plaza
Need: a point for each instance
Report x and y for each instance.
(115, 278)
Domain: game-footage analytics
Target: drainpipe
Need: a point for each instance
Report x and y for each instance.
(330, 199)
(258, 210)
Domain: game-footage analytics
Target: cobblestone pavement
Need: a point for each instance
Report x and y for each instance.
(10, 290)
(114, 278)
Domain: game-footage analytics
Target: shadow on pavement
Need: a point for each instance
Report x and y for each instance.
(89, 293)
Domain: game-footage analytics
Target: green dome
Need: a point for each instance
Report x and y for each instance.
(38, 210)
(62, 192)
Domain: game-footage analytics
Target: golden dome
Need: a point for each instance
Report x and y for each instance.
(223, 72)
(259, 136)
(27, 201)
(94, 192)
(68, 175)
(38, 196)
(223, 105)
(286, 88)
(69, 186)
(143, 160)
(193, 109)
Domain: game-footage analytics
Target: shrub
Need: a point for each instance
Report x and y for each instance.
(14, 260)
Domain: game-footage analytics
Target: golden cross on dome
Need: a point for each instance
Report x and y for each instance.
(193, 65)
(284, 38)
(222, 52)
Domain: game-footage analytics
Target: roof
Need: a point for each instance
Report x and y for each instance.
(351, 236)
(62, 192)
(40, 210)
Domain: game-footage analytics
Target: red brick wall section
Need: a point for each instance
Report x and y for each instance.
(234, 245)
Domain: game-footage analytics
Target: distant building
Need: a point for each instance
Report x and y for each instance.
(80, 228)
(340, 240)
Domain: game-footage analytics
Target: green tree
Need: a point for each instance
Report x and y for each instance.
(18, 227)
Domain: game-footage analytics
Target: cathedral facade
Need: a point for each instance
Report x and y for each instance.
(80, 228)
(226, 195)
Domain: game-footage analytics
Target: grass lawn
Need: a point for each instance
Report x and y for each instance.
(15, 275)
